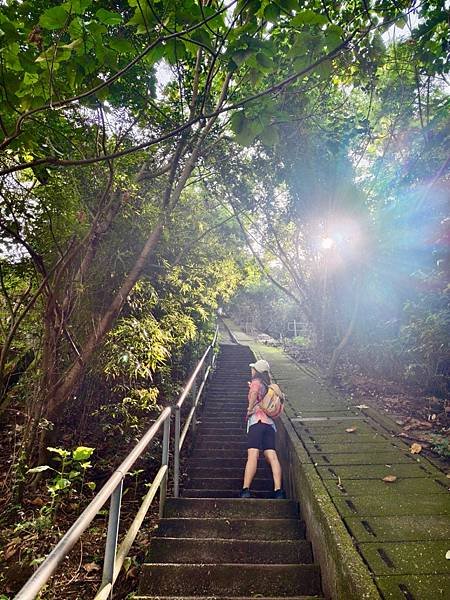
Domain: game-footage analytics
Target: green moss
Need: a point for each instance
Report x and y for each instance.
(391, 504)
(405, 486)
(422, 587)
(355, 448)
(376, 471)
(406, 558)
(398, 528)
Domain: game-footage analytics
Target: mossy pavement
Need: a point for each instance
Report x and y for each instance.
(400, 529)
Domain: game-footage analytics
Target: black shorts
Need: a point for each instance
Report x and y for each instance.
(261, 436)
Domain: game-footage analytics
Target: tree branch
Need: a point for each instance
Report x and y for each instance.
(110, 80)
(188, 124)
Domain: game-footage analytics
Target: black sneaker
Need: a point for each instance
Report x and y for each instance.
(245, 493)
(279, 494)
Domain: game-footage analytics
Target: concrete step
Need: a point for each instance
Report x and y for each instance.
(234, 380)
(217, 423)
(207, 551)
(240, 385)
(216, 431)
(221, 444)
(224, 391)
(217, 462)
(238, 529)
(223, 418)
(229, 579)
(199, 493)
(240, 453)
(262, 472)
(209, 433)
(238, 364)
(233, 410)
(240, 381)
(221, 427)
(222, 434)
(223, 374)
(223, 598)
(226, 401)
(215, 389)
(216, 394)
(231, 509)
(226, 398)
(225, 415)
(221, 403)
(235, 483)
(239, 433)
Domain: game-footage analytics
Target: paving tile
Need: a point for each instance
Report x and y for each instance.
(311, 403)
(406, 558)
(399, 528)
(313, 412)
(362, 487)
(335, 427)
(415, 587)
(345, 438)
(353, 448)
(367, 458)
(390, 504)
(377, 471)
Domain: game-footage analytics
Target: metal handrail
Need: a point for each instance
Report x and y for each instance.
(115, 555)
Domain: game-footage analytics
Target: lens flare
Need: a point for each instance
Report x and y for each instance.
(327, 243)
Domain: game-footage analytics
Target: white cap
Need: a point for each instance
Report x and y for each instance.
(260, 366)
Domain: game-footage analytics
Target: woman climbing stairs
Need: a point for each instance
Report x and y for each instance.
(212, 544)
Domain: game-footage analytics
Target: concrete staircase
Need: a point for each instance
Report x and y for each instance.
(212, 544)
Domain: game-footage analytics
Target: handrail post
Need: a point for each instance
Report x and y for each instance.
(164, 462)
(112, 536)
(194, 398)
(212, 359)
(176, 453)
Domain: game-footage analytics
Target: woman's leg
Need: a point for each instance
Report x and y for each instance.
(272, 459)
(250, 467)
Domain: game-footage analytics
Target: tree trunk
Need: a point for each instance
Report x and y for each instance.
(343, 343)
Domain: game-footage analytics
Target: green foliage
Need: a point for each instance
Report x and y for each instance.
(70, 474)
(441, 445)
(426, 342)
(302, 341)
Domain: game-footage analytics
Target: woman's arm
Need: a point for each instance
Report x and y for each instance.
(253, 396)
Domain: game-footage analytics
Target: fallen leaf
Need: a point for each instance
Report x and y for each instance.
(10, 551)
(131, 573)
(417, 424)
(89, 567)
(415, 448)
(390, 478)
(350, 429)
(37, 502)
